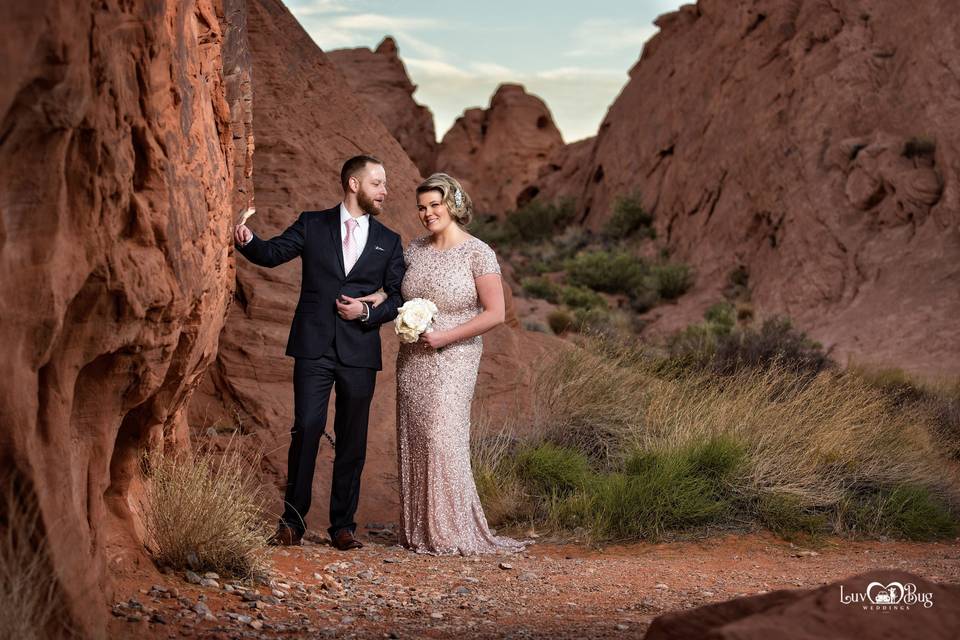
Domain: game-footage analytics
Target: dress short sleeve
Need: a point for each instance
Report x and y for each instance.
(483, 260)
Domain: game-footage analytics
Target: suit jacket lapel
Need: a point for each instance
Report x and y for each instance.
(334, 225)
(373, 237)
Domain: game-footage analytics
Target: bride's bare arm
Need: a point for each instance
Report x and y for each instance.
(490, 293)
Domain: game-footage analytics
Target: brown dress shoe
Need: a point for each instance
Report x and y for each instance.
(285, 537)
(345, 541)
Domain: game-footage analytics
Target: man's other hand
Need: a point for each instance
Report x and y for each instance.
(349, 308)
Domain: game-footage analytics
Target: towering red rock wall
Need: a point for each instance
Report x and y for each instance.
(308, 121)
(381, 82)
(498, 152)
(814, 143)
(115, 160)
(239, 87)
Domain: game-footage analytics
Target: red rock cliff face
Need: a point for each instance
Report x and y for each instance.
(498, 152)
(814, 143)
(307, 122)
(239, 88)
(115, 160)
(381, 82)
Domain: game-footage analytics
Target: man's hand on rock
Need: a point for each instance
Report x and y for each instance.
(242, 235)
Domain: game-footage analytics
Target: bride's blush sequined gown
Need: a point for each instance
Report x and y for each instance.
(440, 510)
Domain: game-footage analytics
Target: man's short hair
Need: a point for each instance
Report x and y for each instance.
(353, 166)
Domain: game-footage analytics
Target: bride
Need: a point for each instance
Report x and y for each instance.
(436, 376)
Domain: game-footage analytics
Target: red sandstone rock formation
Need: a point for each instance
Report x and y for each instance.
(380, 80)
(821, 613)
(115, 160)
(813, 143)
(239, 86)
(498, 152)
(307, 122)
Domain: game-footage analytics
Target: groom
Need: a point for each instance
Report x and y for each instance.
(335, 340)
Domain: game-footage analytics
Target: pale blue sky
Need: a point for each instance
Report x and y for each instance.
(573, 55)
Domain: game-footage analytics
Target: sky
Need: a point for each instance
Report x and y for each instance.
(573, 55)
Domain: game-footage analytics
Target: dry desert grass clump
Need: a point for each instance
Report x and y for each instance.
(30, 603)
(204, 511)
(629, 448)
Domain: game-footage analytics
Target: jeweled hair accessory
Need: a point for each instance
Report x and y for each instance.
(458, 198)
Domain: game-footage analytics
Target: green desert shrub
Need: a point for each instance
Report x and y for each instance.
(540, 220)
(788, 515)
(535, 222)
(607, 271)
(492, 230)
(597, 321)
(903, 511)
(719, 345)
(541, 288)
(548, 468)
(774, 341)
(560, 321)
(673, 279)
(629, 218)
(581, 298)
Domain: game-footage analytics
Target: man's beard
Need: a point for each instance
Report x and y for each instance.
(367, 204)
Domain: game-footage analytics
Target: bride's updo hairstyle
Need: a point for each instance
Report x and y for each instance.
(452, 195)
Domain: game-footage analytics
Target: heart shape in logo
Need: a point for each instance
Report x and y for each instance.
(892, 593)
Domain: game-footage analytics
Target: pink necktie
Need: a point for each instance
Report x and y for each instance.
(351, 250)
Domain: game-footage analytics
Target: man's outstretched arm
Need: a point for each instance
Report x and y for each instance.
(275, 251)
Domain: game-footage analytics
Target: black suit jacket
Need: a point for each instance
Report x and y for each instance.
(315, 237)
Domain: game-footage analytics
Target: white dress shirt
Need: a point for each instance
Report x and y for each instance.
(360, 233)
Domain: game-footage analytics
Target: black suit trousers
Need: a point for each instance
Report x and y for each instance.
(313, 380)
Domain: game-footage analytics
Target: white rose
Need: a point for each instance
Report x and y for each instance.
(418, 318)
(413, 318)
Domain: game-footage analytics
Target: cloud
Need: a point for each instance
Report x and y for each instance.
(578, 97)
(319, 7)
(600, 36)
(491, 69)
(578, 73)
(382, 23)
(332, 25)
(435, 69)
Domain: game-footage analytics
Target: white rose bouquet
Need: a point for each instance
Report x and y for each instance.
(413, 318)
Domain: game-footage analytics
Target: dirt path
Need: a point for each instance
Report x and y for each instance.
(552, 591)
